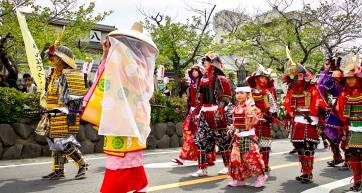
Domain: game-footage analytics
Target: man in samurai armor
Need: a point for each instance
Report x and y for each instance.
(64, 94)
(215, 94)
(329, 86)
(349, 108)
(303, 104)
(263, 93)
(189, 148)
(118, 104)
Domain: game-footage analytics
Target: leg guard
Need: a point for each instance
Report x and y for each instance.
(58, 161)
(74, 153)
(307, 164)
(336, 152)
(201, 159)
(265, 153)
(210, 158)
(225, 158)
(355, 164)
(57, 166)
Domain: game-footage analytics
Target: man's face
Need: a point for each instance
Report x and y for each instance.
(351, 82)
(301, 84)
(327, 65)
(262, 81)
(207, 65)
(57, 62)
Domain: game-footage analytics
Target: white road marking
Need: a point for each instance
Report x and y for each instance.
(92, 158)
(188, 163)
(156, 165)
(330, 186)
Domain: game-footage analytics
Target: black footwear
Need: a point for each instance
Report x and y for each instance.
(56, 175)
(333, 163)
(307, 180)
(356, 187)
(81, 172)
(301, 177)
(293, 151)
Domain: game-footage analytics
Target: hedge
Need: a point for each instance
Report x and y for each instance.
(15, 104)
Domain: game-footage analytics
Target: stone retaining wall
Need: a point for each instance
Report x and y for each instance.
(19, 141)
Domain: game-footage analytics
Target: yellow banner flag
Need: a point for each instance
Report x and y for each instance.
(33, 55)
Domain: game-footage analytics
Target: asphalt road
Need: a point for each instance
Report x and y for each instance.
(22, 176)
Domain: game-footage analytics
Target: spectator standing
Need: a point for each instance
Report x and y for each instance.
(30, 86)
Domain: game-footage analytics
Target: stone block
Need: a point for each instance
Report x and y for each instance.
(164, 142)
(13, 152)
(7, 135)
(31, 151)
(23, 130)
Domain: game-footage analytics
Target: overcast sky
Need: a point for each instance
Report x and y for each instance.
(125, 12)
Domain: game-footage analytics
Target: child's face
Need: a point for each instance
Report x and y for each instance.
(241, 96)
(29, 82)
(195, 73)
(207, 65)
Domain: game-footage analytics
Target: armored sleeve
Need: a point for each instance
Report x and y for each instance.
(223, 92)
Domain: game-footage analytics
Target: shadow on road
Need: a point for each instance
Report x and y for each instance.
(21, 186)
(185, 170)
(295, 186)
(291, 157)
(246, 188)
(331, 171)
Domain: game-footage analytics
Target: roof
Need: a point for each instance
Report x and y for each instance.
(100, 27)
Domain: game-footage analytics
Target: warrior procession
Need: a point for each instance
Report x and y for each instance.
(328, 105)
(224, 120)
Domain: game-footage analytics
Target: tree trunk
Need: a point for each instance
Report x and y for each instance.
(177, 70)
(12, 71)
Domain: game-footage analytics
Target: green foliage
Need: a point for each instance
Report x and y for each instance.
(264, 43)
(166, 109)
(15, 104)
(177, 42)
(282, 112)
(80, 20)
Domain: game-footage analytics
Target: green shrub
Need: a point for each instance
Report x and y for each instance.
(282, 112)
(15, 104)
(166, 109)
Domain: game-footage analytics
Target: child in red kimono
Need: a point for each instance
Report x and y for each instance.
(246, 160)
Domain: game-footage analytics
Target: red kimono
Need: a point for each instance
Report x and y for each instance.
(246, 160)
(189, 149)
